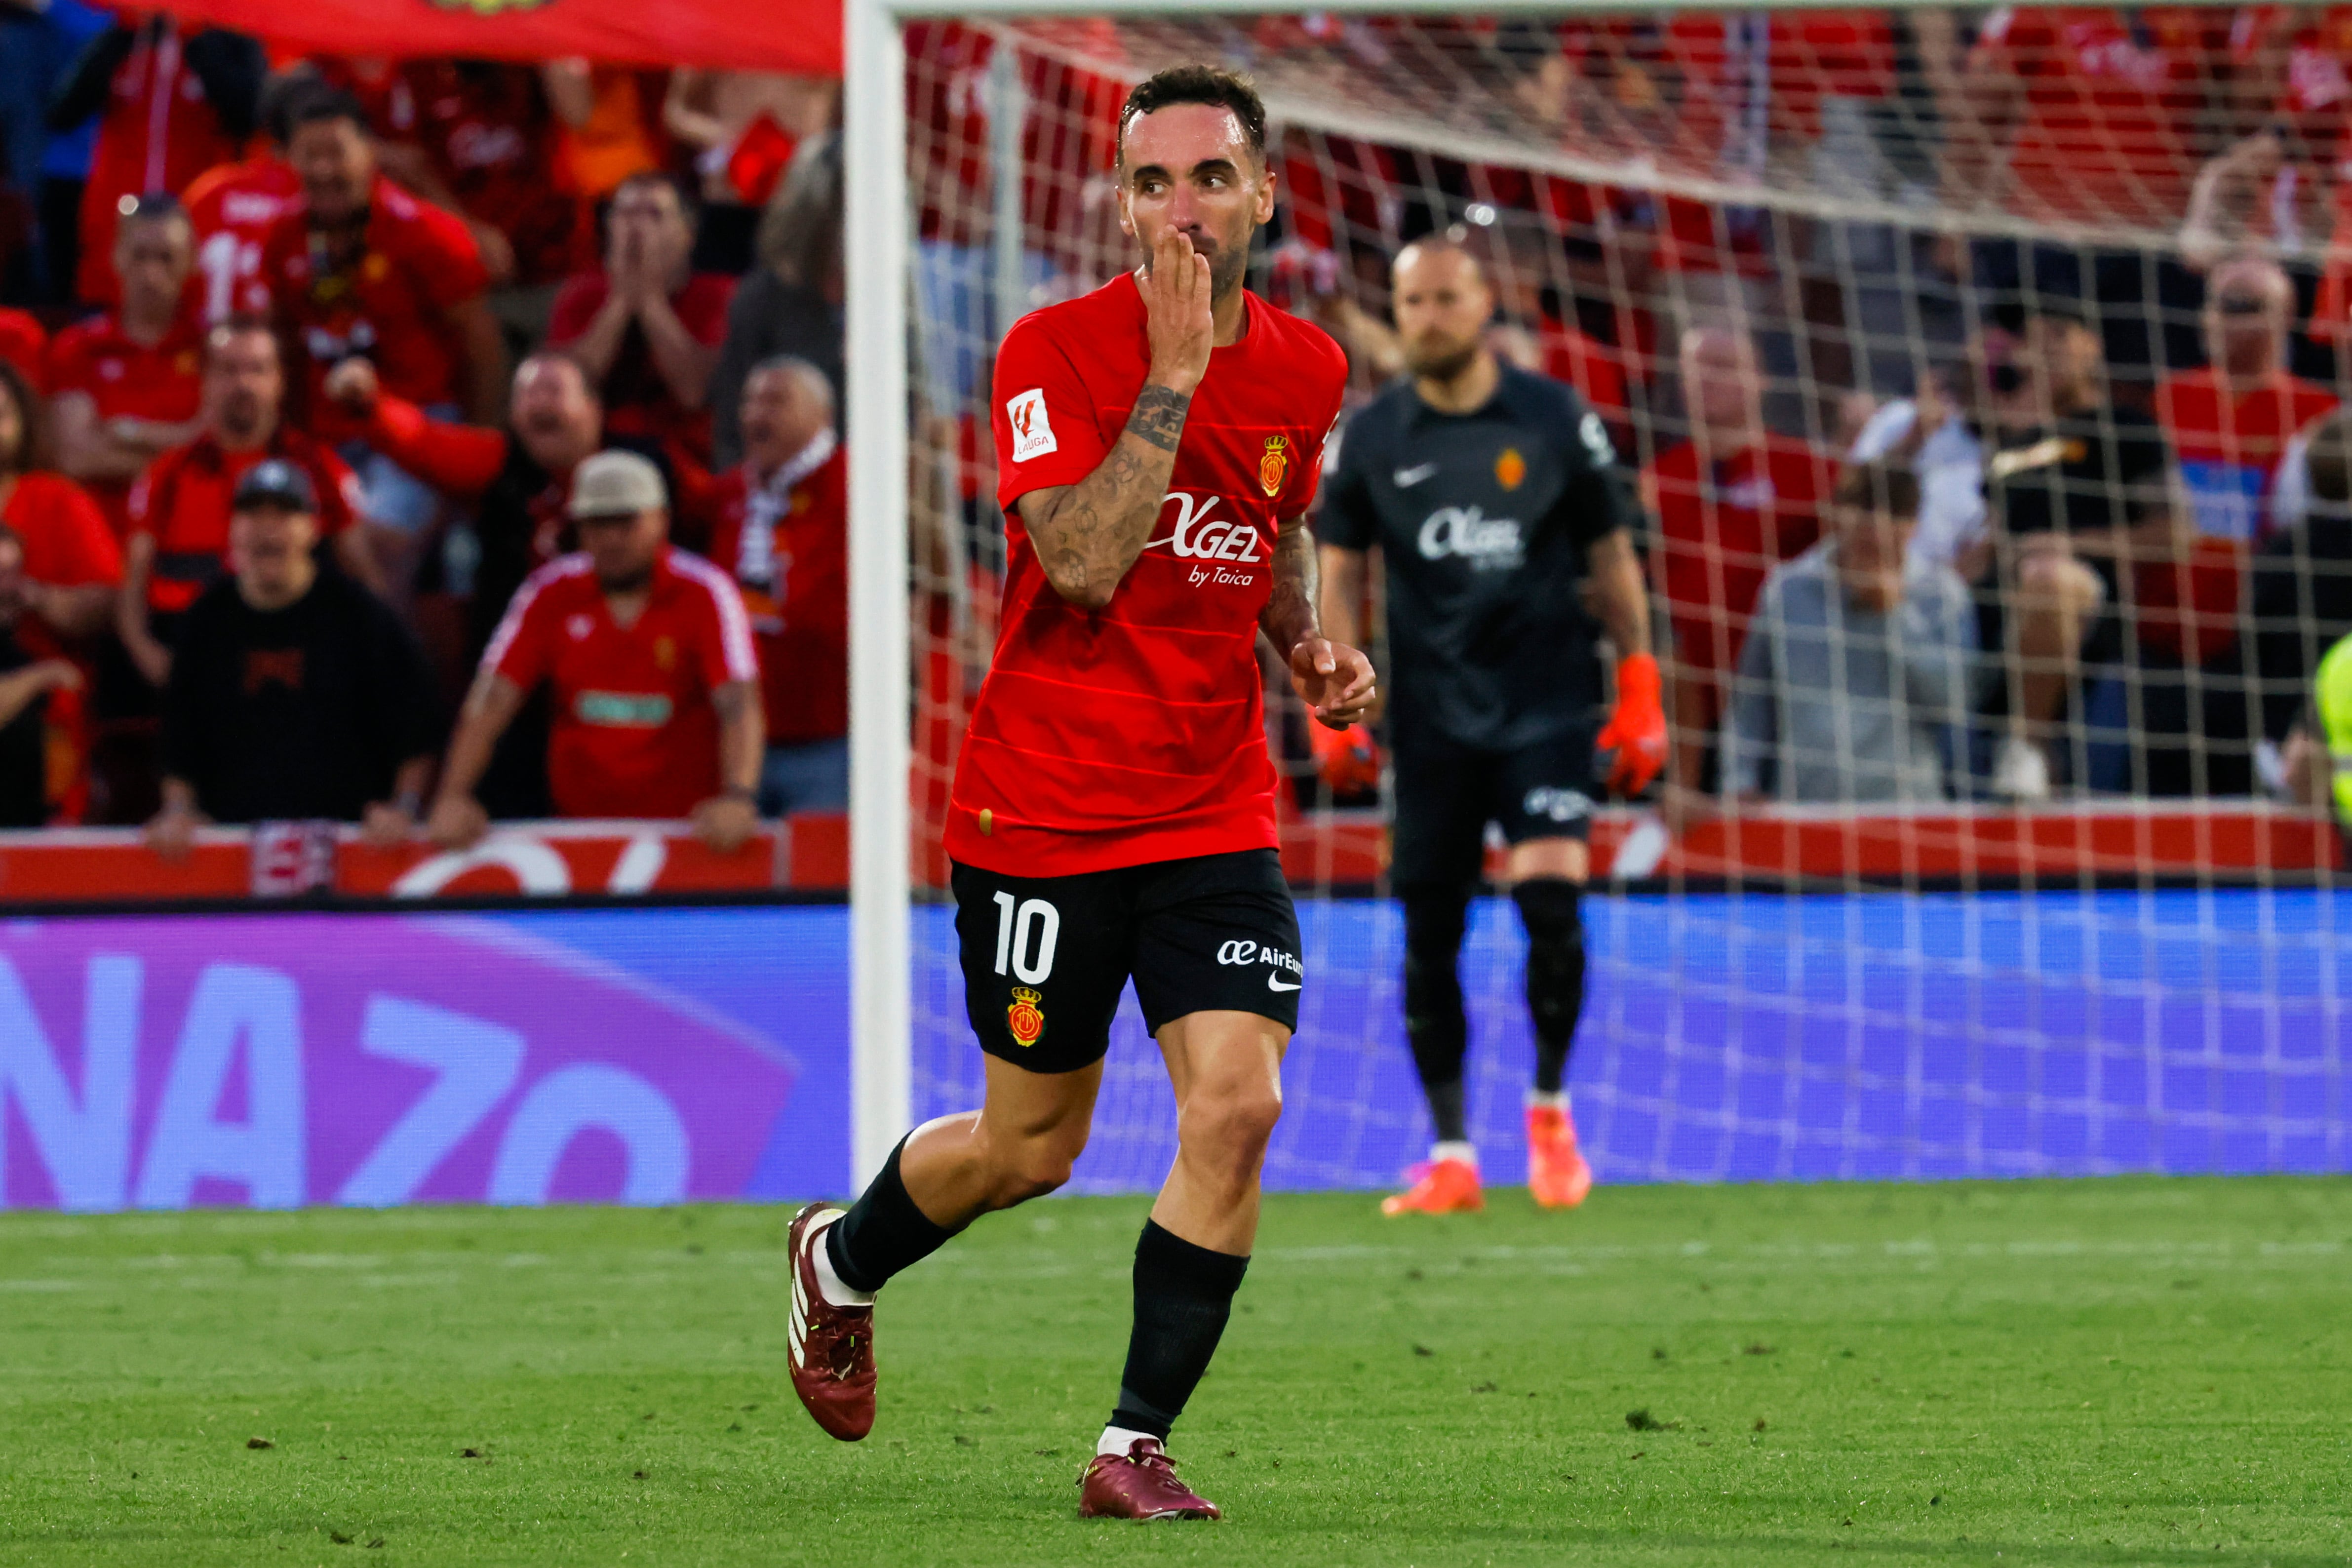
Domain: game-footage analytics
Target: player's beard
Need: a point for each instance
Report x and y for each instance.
(1439, 359)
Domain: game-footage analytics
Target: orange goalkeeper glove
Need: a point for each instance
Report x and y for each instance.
(1347, 759)
(1635, 735)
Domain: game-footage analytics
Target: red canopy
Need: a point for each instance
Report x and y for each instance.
(796, 37)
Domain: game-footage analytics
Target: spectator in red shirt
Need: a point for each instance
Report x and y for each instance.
(360, 266)
(647, 656)
(784, 531)
(124, 386)
(1732, 503)
(69, 569)
(180, 508)
(27, 680)
(233, 208)
(174, 105)
(646, 327)
(485, 147)
(22, 343)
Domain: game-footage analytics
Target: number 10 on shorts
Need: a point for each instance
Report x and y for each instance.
(1031, 922)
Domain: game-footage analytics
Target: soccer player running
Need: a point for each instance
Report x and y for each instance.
(1491, 494)
(1159, 441)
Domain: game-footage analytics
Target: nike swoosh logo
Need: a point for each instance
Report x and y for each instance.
(1273, 985)
(1408, 478)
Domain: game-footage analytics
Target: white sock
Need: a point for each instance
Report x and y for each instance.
(828, 1283)
(1466, 1152)
(1117, 1440)
(1539, 1101)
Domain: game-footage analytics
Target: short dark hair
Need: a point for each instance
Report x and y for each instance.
(1198, 83)
(322, 104)
(244, 323)
(1880, 486)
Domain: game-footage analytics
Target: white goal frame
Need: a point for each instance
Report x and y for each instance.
(878, 244)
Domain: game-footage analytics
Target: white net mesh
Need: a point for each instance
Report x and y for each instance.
(2071, 269)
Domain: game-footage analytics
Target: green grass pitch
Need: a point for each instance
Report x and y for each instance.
(2113, 1371)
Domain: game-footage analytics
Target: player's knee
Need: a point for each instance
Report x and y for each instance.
(1433, 923)
(1551, 907)
(1232, 1121)
(1020, 1169)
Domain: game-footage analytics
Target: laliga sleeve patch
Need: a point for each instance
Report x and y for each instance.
(1032, 433)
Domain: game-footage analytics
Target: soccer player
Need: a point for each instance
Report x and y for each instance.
(1492, 495)
(1112, 817)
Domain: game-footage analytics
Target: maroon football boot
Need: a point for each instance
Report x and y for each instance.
(1141, 1485)
(832, 1347)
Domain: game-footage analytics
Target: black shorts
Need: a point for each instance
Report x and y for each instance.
(1044, 958)
(1447, 794)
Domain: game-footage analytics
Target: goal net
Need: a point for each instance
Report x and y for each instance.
(1986, 861)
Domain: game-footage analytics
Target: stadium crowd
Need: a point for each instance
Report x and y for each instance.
(422, 444)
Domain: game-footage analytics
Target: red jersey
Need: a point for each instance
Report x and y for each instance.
(232, 209)
(1721, 528)
(787, 544)
(638, 401)
(633, 731)
(2112, 101)
(492, 139)
(127, 379)
(2229, 447)
(157, 132)
(22, 344)
(391, 303)
(183, 501)
(1137, 733)
(67, 541)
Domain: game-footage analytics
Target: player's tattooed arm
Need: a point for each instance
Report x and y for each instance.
(1333, 680)
(1089, 534)
(1290, 615)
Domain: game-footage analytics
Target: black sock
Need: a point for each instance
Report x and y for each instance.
(883, 1232)
(1183, 1294)
(1435, 1024)
(1548, 908)
(1445, 1111)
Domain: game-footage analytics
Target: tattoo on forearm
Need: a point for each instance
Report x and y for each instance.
(1289, 612)
(1158, 416)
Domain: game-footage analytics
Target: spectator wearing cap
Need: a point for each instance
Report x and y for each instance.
(647, 656)
(2077, 486)
(296, 694)
(124, 386)
(645, 325)
(26, 681)
(359, 267)
(516, 481)
(784, 531)
(1853, 678)
(180, 509)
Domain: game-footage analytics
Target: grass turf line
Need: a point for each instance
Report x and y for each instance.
(2113, 1371)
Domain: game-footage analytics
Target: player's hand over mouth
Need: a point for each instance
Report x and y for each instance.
(1176, 313)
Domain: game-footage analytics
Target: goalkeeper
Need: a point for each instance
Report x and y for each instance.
(1493, 497)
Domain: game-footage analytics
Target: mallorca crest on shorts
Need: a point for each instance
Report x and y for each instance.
(1273, 465)
(1025, 1017)
(1511, 468)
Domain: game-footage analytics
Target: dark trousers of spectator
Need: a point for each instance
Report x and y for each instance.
(60, 209)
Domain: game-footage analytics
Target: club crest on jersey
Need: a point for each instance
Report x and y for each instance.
(1511, 468)
(1273, 465)
(1025, 1018)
